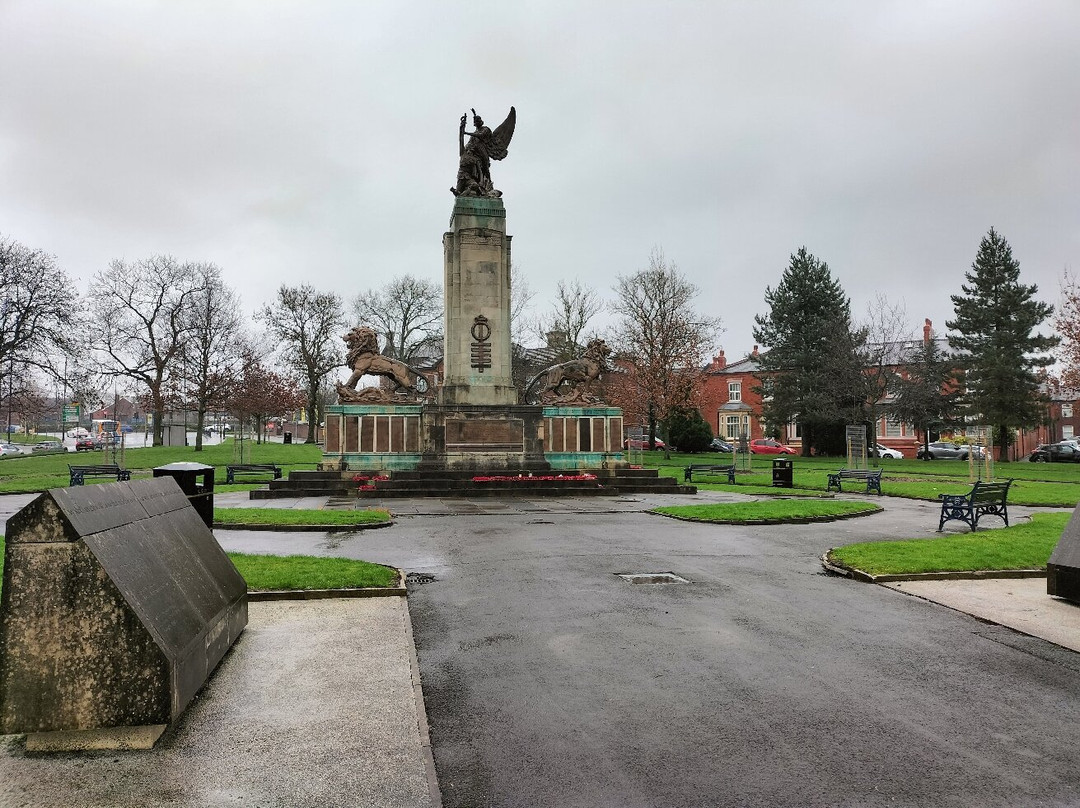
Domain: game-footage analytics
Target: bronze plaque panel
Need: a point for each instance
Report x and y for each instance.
(584, 435)
(333, 434)
(351, 437)
(382, 433)
(367, 433)
(615, 431)
(558, 434)
(412, 433)
(598, 442)
(397, 433)
(485, 435)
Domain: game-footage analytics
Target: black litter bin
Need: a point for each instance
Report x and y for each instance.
(200, 492)
(782, 474)
(288, 437)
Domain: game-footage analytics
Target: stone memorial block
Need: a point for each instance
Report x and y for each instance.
(118, 603)
(1063, 568)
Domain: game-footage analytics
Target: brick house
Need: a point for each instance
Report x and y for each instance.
(732, 407)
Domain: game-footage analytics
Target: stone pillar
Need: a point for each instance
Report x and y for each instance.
(477, 347)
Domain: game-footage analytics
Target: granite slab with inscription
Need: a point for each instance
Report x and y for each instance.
(1063, 567)
(118, 603)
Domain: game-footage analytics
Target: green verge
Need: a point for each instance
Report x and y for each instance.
(291, 516)
(32, 473)
(310, 572)
(1024, 546)
(778, 510)
(298, 572)
(1035, 484)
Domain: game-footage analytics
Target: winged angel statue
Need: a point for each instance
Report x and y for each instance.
(474, 172)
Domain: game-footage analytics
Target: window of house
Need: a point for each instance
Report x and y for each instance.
(1066, 410)
(732, 428)
(1067, 432)
(893, 429)
(795, 430)
(734, 391)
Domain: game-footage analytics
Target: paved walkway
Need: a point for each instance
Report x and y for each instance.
(314, 706)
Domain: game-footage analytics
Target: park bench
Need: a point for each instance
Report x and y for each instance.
(872, 478)
(706, 468)
(80, 473)
(983, 498)
(251, 469)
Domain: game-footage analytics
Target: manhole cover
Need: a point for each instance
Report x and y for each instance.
(417, 578)
(652, 578)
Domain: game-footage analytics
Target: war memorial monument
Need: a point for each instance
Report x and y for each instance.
(473, 425)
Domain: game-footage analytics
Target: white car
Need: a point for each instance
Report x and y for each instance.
(885, 453)
(9, 449)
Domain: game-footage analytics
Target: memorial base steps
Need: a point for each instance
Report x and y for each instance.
(463, 483)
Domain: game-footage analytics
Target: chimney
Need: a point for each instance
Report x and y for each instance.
(927, 331)
(754, 353)
(719, 361)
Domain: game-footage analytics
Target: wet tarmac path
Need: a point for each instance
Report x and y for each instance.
(549, 680)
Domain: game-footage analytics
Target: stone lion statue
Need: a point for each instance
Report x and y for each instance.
(570, 382)
(364, 359)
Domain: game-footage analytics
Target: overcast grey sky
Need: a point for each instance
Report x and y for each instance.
(316, 141)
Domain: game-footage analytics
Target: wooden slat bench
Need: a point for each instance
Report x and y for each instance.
(80, 473)
(251, 469)
(982, 499)
(706, 468)
(872, 478)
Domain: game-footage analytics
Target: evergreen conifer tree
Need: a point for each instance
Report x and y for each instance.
(811, 371)
(994, 334)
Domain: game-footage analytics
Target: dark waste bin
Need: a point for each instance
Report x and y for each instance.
(197, 481)
(288, 437)
(782, 473)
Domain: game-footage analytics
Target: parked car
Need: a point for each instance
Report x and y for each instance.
(48, 446)
(721, 445)
(888, 453)
(86, 444)
(769, 446)
(946, 450)
(1063, 452)
(643, 444)
(79, 432)
(9, 449)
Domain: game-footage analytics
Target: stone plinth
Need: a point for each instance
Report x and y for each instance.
(483, 438)
(118, 603)
(476, 345)
(1063, 567)
(583, 437)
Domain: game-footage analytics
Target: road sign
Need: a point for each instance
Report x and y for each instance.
(71, 413)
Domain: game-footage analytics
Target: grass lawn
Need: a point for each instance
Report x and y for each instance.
(291, 516)
(31, 473)
(310, 572)
(298, 572)
(1024, 546)
(780, 510)
(1036, 484)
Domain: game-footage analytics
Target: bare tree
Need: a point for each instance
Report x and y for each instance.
(1067, 323)
(661, 339)
(886, 333)
(307, 326)
(211, 356)
(37, 311)
(575, 305)
(407, 313)
(141, 321)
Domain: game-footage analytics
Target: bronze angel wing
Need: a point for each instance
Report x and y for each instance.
(501, 137)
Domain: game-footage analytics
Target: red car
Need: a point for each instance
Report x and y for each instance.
(86, 445)
(642, 444)
(769, 446)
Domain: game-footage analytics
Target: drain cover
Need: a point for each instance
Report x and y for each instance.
(652, 578)
(417, 578)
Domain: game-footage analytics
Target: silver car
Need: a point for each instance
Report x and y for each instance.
(946, 450)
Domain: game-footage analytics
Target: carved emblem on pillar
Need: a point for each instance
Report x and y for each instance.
(481, 347)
